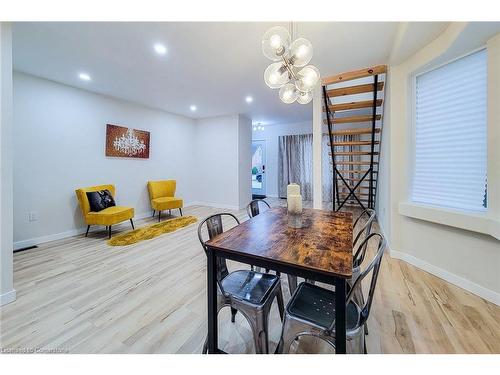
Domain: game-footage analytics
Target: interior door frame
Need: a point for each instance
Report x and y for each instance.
(264, 163)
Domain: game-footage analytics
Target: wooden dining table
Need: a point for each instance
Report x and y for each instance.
(320, 250)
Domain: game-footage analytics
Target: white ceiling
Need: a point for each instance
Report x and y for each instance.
(212, 65)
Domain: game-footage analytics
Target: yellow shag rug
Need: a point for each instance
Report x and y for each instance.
(151, 231)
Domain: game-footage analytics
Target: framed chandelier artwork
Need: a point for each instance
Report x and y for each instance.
(126, 142)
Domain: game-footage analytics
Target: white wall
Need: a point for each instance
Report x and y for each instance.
(468, 259)
(384, 177)
(221, 148)
(7, 292)
(59, 141)
(270, 134)
(244, 161)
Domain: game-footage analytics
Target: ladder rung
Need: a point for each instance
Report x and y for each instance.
(346, 153)
(355, 131)
(354, 143)
(351, 90)
(353, 105)
(344, 189)
(357, 194)
(354, 162)
(355, 74)
(352, 170)
(351, 119)
(367, 180)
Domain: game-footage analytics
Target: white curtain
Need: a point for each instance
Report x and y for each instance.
(295, 163)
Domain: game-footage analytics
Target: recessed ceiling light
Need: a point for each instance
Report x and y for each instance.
(193, 108)
(160, 49)
(84, 77)
(249, 99)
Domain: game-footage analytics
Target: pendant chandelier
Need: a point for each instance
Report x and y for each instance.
(290, 72)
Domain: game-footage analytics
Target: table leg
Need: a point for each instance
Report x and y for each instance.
(340, 315)
(212, 302)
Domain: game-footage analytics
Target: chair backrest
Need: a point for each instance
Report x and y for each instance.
(214, 228)
(253, 208)
(365, 230)
(373, 268)
(161, 188)
(81, 194)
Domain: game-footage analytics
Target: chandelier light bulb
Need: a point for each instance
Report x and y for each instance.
(254, 128)
(276, 75)
(307, 78)
(275, 43)
(288, 93)
(301, 52)
(304, 97)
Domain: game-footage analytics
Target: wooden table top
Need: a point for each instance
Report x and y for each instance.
(323, 244)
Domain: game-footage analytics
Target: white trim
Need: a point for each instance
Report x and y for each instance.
(215, 205)
(75, 232)
(452, 278)
(475, 222)
(59, 236)
(7, 297)
(459, 281)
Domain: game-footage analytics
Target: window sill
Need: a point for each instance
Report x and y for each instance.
(480, 223)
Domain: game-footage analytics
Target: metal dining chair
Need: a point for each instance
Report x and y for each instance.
(364, 228)
(311, 310)
(251, 293)
(253, 208)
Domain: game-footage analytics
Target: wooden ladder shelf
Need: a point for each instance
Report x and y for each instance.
(353, 145)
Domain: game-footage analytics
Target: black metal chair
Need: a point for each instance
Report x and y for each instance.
(365, 228)
(311, 310)
(251, 293)
(253, 208)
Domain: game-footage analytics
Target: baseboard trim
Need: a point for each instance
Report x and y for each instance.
(59, 236)
(215, 205)
(481, 291)
(7, 297)
(452, 278)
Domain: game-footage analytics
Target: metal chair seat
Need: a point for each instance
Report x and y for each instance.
(317, 306)
(248, 292)
(253, 287)
(311, 311)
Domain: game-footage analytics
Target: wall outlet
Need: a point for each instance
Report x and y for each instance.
(33, 216)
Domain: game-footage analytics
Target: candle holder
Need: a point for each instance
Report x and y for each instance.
(295, 219)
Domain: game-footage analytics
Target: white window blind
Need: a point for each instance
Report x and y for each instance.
(451, 135)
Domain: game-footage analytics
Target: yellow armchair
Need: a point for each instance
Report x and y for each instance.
(109, 216)
(162, 196)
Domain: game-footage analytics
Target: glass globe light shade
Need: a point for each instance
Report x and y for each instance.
(304, 97)
(275, 43)
(288, 93)
(307, 78)
(276, 75)
(301, 52)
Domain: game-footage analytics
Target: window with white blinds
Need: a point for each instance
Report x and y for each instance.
(451, 135)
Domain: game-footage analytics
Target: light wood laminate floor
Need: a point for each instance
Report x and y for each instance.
(80, 295)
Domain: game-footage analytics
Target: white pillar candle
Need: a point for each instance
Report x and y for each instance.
(292, 189)
(295, 204)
